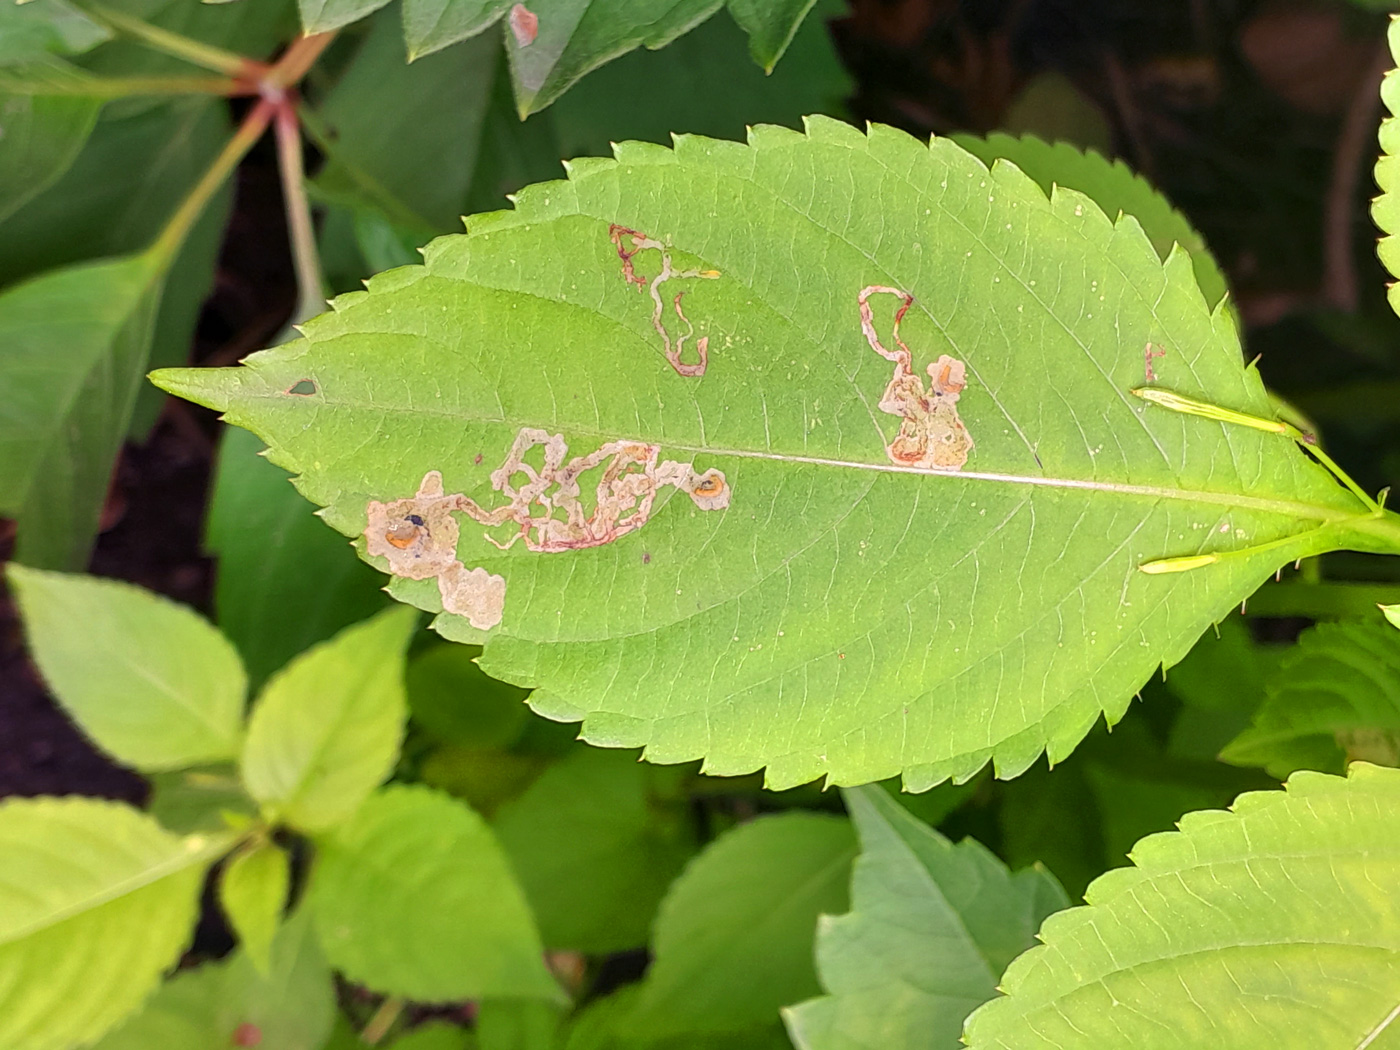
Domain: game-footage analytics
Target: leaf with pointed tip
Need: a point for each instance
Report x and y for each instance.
(770, 24)
(151, 681)
(414, 897)
(326, 728)
(322, 16)
(848, 614)
(253, 892)
(96, 901)
(1335, 697)
(1113, 186)
(43, 28)
(1274, 924)
(931, 928)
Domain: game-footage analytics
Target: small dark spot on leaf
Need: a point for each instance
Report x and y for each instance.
(646, 557)
(302, 388)
(477, 461)
(415, 519)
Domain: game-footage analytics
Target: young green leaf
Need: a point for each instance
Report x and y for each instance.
(1391, 613)
(593, 851)
(1385, 209)
(96, 901)
(1114, 187)
(931, 928)
(733, 939)
(771, 25)
(413, 897)
(857, 610)
(326, 728)
(253, 891)
(1273, 925)
(283, 581)
(151, 681)
(1335, 697)
(232, 1003)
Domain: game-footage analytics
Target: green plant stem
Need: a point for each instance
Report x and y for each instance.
(173, 235)
(194, 51)
(1376, 533)
(382, 1020)
(122, 87)
(310, 284)
(297, 59)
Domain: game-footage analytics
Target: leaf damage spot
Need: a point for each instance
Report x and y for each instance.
(524, 25)
(418, 537)
(640, 243)
(1147, 355)
(302, 388)
(931, 434)
(632, 473)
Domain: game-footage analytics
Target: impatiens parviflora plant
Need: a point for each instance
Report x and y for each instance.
(98, 900)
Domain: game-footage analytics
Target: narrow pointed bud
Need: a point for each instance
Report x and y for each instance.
(1165, 565)
(1192, 407)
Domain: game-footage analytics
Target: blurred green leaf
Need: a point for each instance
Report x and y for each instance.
(197, 799)
(1219, 684)
(601, 1025)
(771, 26)
(96, 901)
(151, 681)
(76, 342)
(594, 850)
(46, 27)
(326, 728)
(934, 805)
(406, 137)
(484, 778)
(1334, 697)
(451, 697)
(231, 1003)
(733, 939)
(413, 897)
(252, 892)
(321, 16)
(1391, 613)
(435, 1035)
(931, 928)
(42, 135)
(255, 28)
(284, 580)
(517, 1024)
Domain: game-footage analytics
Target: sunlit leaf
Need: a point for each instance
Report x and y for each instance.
(855, 611)
(325, 730)
(1275, 924)
(1336, 696)
(96, 901)
(931, 928)
(1385, 209)
(252, 892)
(151, 681)
(413, 897)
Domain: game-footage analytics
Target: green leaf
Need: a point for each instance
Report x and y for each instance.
(231, 1003)
(702, 83)
(96, 900)
(1271, 925)
(1219, 684)
(200, 799)
(42, 135)
(76, 342)
(325, 730)
(1335, 697)
(931, 928)
(1385, 209)
(1114, 187)
(601, 1025)
(321, 16)
(517, 1024)
(430, 25)
(253, 892)
(1391, 613)
(733, 940)
(407, 135)
(283, 581)
(413, 897)
(151, 681)
(593, 850)
(771, 25)
(847, 615)
(42, 28)
(433, 1036)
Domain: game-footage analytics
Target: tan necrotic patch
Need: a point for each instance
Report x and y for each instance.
(418, 536)
(931, 434)
(640, 242)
